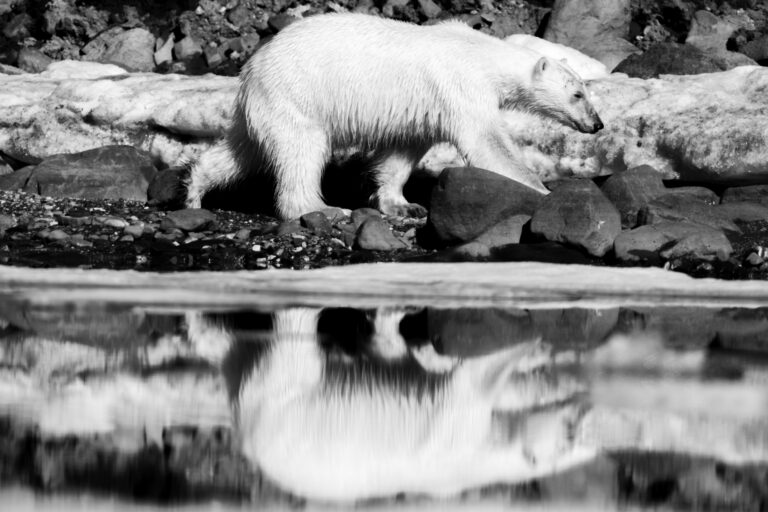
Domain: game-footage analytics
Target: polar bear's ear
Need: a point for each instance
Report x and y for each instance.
(541, 66)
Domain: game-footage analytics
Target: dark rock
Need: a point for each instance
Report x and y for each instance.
(470, 332)
(702, 194)
(506, 231)
(578, 213)
(690, 328)
(574, 328)
(669, 240)
(630, 190)
(168, 188)
(33, 60)
(16, 180)
(213, 56)
(742, 329)
(360, 215)
(334, 214)
(279, 21)
(743, 211)
(669, 59)
(751, 193)
(317, 222)
(18, 28)
(671, 208)
(289, 227)
(108, 172)
(189, 219)
(757, 49)
(374, 234)
(467, 201)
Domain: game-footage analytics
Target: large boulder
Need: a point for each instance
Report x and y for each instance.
(577, 213)
(110, 172)
(669, 240)
(598, 28)
(467, 201)
(631, 190)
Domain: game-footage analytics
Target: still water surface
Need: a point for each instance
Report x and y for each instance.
(105, 407)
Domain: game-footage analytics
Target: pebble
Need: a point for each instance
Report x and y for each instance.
(134, 230)
(374, 234)
(58, 234)
(754, 259)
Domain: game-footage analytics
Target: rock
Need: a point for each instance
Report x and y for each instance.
(164, 53)
(757, 49)
(278, 22)
(374, 235)
(134, 230)
(598, 28)
(6, 222)
(112, 222)
(359, 216)
(132, 49)
(631, 190)
(17, 179)
(703, 194)
(672, 240)
(167, 188)
(578, 213)
(57, 234)
(574, 328)
(189, 219)
(10, 70)
(466, 201)
(429, 8)
(317, 222)
(506, 231)
(750, 193)
(111, 172)
(289, 227)
(187, 48)
(743, 211)
(584, 65)
(473, 332)
(742, 329)
(669, 59)
(334, 214)
(213, 56)
(668, 208)
(18, 27)
(678, 327)
(32, 60)
(708, 32)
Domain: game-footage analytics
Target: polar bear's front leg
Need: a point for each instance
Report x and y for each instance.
(392, 168)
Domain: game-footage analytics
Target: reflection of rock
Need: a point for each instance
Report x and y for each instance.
(679, 327)
(743, 329)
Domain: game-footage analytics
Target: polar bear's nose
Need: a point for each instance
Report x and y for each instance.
(597, 126)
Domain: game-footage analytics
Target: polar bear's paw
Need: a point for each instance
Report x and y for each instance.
(403, 209)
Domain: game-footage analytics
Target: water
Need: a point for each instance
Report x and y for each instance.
(115, 406)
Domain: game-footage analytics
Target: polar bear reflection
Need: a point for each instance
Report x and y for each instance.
(336, 430)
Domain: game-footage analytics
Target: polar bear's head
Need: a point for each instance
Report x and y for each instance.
(561, 94)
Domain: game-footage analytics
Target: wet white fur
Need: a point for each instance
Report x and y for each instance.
(340, 80)
(336, 433)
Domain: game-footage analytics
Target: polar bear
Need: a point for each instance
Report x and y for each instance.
(584, 65)
(389, 87)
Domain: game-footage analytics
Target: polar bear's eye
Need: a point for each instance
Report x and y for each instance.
(578, 95)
